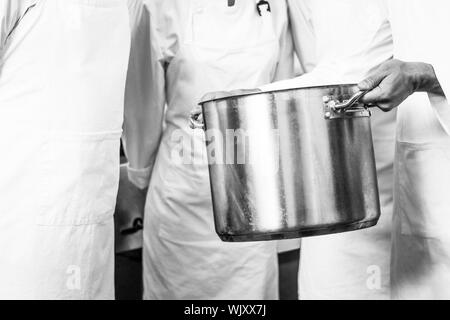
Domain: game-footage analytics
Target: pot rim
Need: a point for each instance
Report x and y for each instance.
(224, 95)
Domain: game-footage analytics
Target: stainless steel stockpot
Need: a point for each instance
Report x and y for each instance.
(290, 163)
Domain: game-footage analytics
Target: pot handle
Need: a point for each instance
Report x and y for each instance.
(354, 100)
(350, 102)
(196, 118)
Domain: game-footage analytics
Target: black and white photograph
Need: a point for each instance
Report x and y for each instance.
(232, 151)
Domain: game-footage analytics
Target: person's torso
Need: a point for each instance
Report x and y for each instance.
(207, 46)
(62, 77)
(420, 247)
(354, 264)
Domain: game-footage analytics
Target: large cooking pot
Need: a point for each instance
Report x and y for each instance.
(289, 163)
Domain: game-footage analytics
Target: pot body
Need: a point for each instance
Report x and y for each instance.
(283, 164)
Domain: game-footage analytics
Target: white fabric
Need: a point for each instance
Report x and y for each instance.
(11, 12)
(421, 240)
(340, 42)
(194, 47)
(62, 78)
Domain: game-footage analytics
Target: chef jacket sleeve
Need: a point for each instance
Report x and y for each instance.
(144, 95)
(437, 53)
(349, 38)
(442, 70)
(302, 34)
(11, 12)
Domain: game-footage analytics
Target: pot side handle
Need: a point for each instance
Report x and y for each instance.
(354, 100)
(196, 118)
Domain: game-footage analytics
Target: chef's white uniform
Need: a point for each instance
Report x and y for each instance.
(189, 48)
(62, 79)
(421, 239)
(340, 42)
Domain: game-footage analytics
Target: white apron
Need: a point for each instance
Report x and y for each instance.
(421, 239)
(62, 78)
(205, 46)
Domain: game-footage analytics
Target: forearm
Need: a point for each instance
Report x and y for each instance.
(425, 79)
(395, 80)
(141, 141)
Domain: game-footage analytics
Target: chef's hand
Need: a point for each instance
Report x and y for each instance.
(395, 80)
(130, 200)
(196, 118)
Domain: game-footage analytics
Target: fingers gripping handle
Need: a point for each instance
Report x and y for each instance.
(350, 102)
(354, 100)
(196, 118)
